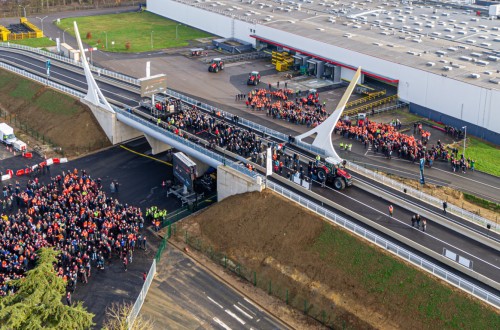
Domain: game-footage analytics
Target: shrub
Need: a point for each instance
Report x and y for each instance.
(127, 45)
(89, 35)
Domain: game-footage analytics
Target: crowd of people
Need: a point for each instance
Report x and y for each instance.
(286, 105)
(386, 139)
(217, 132)
(73, 214)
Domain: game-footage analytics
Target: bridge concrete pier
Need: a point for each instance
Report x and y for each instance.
(231, 182)
(115, 130)
(157, 146)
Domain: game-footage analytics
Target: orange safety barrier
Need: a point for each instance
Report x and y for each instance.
(20, 172)
(28, 155)
(56, 160)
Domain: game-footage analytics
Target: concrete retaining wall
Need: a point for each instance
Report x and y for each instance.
(231, 182)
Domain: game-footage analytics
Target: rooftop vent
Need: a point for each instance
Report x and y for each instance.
(441, 52)
(480, 62)
(430, 63)
(447, 68)
(465, 58)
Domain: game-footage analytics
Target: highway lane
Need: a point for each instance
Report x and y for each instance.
(64, 76)
(67, 73)
(195, 294)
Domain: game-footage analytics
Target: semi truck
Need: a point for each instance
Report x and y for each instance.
(7, 134)
(8, 138)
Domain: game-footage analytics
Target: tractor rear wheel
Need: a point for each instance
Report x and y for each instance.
(321, 175)
(339, 183)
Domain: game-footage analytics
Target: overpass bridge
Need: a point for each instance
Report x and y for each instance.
(121, 123)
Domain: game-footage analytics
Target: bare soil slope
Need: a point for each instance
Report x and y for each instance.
(338, 278)
(48, 117)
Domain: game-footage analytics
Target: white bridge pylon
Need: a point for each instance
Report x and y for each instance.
(94, 94)
(324, 131)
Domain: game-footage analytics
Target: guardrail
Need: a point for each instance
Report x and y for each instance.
(423, 196)
(43, 81)
(388, 245)
(378, 240)
(244, 122)
(60, 58)
(306, 146)
(220, 158)
(136, 308)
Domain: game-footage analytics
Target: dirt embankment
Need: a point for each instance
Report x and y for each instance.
(338, 278)
(48, 120)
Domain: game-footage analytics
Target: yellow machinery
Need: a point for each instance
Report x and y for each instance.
(4, 33)
(35, 32)
(282, 60)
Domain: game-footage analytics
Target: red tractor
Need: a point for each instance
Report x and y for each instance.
(215, 65)
(253, 78)
(312, 97)
(334, 175)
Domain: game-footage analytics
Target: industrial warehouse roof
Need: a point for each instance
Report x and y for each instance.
(437, 38)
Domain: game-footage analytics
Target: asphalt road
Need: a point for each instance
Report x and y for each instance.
(198, 300)
(486, 261)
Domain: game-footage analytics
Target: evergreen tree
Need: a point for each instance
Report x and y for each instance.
(38, 301)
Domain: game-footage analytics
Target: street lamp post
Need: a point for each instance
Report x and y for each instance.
(41, 20)
(177, 31)
(465, 138)
(152, 39)
(64, 39)
(24, 9)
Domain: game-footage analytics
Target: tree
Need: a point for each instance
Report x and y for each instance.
(37, 303)
(116, 318)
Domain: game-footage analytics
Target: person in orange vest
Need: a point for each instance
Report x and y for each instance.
(391, 210)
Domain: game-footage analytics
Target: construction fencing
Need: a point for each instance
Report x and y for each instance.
(142, 296)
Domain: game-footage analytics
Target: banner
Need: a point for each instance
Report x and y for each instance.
(269, 162)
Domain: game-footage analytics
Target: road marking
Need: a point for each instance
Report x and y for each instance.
(214, 302)
(247, 308)
(251, 303)
(425, 233)
(243, 312)
(222, 324)
(235, 317)
(466, 178)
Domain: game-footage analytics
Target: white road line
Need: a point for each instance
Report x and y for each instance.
(247, 308)
(243, 312)
(222, 324)
(214, 302)
(425, 233)
(466, 178)
(235, 317)
(251, 303)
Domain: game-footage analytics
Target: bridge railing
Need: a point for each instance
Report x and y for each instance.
(380, 241)
(43, 81)
(60, 58)
(389, 246)
(221, 158)
(245, 122)
(423, 196)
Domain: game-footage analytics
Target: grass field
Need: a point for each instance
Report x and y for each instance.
(144, 31)
(486, 155)
(35, 42)
(397, 284)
